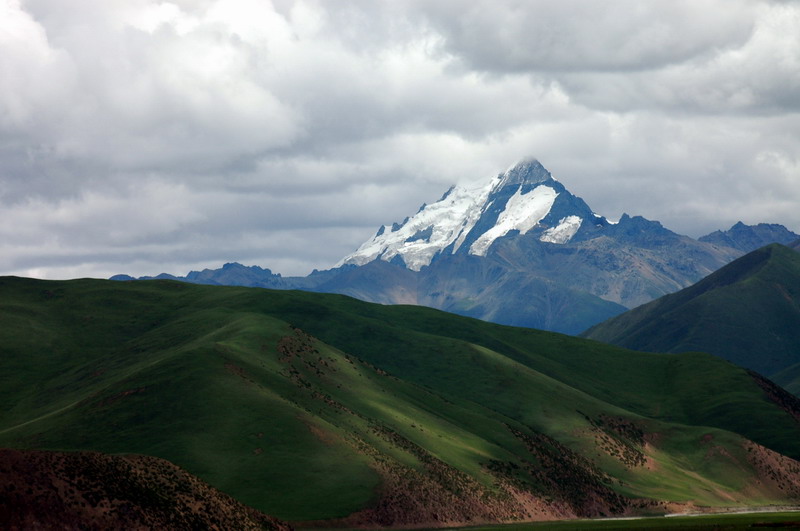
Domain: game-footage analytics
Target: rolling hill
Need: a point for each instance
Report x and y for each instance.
(748, 312)
(325, 410)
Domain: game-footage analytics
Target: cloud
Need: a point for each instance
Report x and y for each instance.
(183, 92)
(760, 75)
(143, 135)
(583, 35)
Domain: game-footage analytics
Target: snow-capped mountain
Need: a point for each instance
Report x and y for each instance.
(517, 249)
(525, 199)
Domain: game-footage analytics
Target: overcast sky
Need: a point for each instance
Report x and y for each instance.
(140, 136)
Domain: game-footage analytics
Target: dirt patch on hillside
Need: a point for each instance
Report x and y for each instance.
(438, 495)
(324, 436)
(775, 472)
(555, 484)
(91, 490)
(300, 344)
(620, 438)
(569, 478)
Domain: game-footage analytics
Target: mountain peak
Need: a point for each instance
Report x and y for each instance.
(525, 199)
(526, 171)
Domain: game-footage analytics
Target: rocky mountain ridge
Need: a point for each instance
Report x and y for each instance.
(747, 238)
(519, 249)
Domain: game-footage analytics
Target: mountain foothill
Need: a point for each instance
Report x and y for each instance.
(748, 312)
(322, 410)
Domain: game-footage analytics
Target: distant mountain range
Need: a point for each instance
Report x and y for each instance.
(519, 249)
(326, 411)
(748, 238)
(748, 312)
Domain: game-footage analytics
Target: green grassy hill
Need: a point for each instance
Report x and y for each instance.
(317, 407)
(748, 312)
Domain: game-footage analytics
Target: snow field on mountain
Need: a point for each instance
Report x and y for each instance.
(451, 217)
(522, 213)
(564, 231)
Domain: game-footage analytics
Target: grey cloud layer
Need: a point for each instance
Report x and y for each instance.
(584, 35)
(139, 135)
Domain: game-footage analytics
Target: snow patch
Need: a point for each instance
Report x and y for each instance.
(522, 213)
(451, 217)
(564, 231)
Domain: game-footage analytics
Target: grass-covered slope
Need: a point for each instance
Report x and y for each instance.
(748, 312)
(321, 407)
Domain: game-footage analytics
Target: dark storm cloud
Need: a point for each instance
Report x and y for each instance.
(143, 136)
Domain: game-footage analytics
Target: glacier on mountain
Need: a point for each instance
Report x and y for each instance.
(522, 213)
(564, 231)
(452, 216)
